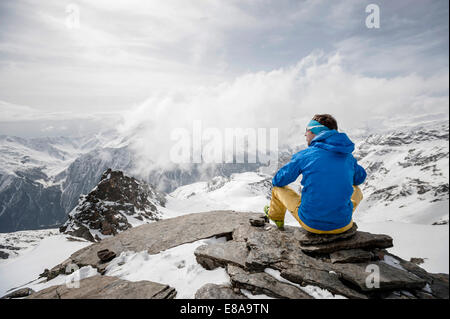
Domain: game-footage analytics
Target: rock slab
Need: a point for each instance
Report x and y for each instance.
(263, 283)
(19, 293)
(220, 255)
(158, 236)
(107, 287)
(306, 238)
(359, 240)
(213, 291)
(390, 277)
(351, 256)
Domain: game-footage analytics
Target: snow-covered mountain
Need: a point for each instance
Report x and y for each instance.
(42, 178)
(406, 166)
(408, 174)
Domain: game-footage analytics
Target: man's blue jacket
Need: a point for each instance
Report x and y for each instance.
(329, 172)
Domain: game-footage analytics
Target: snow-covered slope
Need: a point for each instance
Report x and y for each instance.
(41, 249)
(408, 174)
(15, 244)
(242, 191)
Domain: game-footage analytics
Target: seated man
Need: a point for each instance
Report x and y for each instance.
(330, 177)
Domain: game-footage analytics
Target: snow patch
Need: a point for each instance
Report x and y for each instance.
(69, 280)
(47, 253)
(392, 262)
(176, 267)
(429, 242)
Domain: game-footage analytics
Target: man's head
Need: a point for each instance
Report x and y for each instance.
(319, 123)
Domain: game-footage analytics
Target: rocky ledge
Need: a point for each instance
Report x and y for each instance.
(259, 258)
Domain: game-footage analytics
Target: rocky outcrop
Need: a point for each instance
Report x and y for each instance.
(265, 260)
(342, 264)
(106, 287)
(158, 236)
(117, 202)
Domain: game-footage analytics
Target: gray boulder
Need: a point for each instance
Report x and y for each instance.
(306, 238)
(19, 293)
(337, 263)
(220, 255)
(351, 256)
(263, 283)
(106, 287)
(390, 278)
(359, 240)
(213, 291)
(321, 278)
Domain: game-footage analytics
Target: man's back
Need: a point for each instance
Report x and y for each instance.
(329, 172)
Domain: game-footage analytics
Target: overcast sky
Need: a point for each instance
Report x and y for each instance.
(150, 55)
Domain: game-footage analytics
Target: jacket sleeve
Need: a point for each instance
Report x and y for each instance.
(288, 173)
(360, 174)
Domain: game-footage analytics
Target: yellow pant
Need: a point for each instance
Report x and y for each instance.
(286, 198)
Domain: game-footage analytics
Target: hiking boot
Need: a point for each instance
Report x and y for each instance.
(266, 213)
(279, 223)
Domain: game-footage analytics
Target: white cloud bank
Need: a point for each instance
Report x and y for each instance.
(285, 99)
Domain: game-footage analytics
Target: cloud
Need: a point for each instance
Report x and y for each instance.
(25, 121)
(125, 51)
(285, 99)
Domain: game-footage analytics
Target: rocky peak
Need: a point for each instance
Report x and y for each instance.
(116, 204)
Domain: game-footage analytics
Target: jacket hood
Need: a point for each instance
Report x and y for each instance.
(333, 141)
